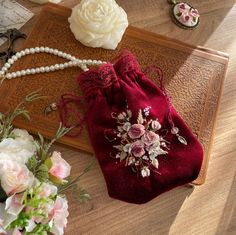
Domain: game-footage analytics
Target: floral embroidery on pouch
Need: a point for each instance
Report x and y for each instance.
(140, 143)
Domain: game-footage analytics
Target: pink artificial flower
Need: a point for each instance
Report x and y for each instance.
(138, 148)
(60, 168)
(136, 131)
(150, 138)
(59, 215)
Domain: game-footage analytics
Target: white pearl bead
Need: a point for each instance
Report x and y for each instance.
(60, 53)
(27, 71)
(32, 50)
(27, 51)
(52, 68)
(73, 58)
(23, 53)
(46, 49)
(66, 64)
(1, 73)
(4, 69)
(47, 69)
(64, 55)
(18, 73)
(37, 50)
(89, 61)
(13, 74)
(14, 57)
(23, 72)
(70, 63)
(55, 51)
(84, 61)
(8, 76)
(68, 56)
(7, 65)
(50, 50)
(32, 71)
(61, 66)
(10, 61)
(37, 70)
(56, 66)
(42, 69)
(18, 55)
(42, 49)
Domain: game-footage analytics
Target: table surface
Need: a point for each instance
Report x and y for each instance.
(208, 209)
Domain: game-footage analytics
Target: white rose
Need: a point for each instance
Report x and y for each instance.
(98, 23)
(60, 214)
(14, 177)
(45, 1)
(19, 149)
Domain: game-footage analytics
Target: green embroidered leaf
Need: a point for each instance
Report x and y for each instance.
(140, 119)
(122, 156)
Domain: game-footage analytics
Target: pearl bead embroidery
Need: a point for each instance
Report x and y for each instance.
(73, 62)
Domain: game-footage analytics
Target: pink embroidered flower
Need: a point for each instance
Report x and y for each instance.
(150, 138)
(60, 168)
(138, 148)
(136, 131)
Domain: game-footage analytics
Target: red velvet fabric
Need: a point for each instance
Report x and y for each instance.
(109, 89)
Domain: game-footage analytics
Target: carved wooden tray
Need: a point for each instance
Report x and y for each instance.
(194, 77)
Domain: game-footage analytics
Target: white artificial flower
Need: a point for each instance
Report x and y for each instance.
(10, 210)
(19, 149)
(14, 176)
(145, 172)
(98, 23)
(45, 1)
(60, 214)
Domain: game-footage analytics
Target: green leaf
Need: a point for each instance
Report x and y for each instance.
(42, 173)
(32, 163)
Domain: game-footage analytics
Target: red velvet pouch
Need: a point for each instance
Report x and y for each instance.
(143, 146)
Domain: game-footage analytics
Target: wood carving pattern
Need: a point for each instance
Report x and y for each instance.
(192, 80)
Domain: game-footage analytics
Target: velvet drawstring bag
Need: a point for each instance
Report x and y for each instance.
(142, 144)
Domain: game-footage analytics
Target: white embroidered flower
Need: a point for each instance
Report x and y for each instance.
(131, 161)
(45, 1)
(19, 149)
(98, 23)
(127, 148)
(59, 214)
(14, 177)
(145, 172)
(156, 125)
(127, 126)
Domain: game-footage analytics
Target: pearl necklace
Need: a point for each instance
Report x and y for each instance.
(73, 61)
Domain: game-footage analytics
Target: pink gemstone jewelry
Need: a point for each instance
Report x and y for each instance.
(184, 15)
